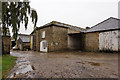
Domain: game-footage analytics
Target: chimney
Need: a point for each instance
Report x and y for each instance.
(87, 27)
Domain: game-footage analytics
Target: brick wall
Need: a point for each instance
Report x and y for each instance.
(92, 41)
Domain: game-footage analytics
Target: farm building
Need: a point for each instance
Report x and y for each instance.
(56, 36)
(23, 41)
(105, 36)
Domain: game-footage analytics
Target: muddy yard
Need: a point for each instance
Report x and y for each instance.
(74, 64)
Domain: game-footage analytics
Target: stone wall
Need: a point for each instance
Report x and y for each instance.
(92, 41)
(6, 44)
(60, 39)
(19, 44)
(34, 42)
(56, 38)
(48, 37)
(37, 40)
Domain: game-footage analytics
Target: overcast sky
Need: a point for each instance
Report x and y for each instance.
(81, 13)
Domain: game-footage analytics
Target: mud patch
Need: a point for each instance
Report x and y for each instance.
(33, 67)
(94, 63)
(67, 56)
(81, 62)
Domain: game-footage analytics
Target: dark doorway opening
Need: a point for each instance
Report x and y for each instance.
(76, 41)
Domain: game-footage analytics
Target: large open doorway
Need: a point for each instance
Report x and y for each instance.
(76, 41)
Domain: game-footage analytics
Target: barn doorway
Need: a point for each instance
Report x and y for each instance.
(43, 46)
(76, 41)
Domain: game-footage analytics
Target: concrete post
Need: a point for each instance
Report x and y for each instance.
(0, 42)
(0, 28)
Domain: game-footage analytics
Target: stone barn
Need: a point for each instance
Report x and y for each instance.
(57, 36)
(105, 36)
(23, 42)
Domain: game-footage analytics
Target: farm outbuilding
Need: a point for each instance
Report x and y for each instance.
(104, 36)
(57, 36)
(23, 42)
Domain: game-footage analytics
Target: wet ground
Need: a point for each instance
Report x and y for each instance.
(75, 64)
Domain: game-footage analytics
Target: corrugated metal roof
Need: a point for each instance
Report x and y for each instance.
(109, 24)
(63, 25)
(24, 38)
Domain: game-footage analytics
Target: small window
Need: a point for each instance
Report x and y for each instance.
(43, 34)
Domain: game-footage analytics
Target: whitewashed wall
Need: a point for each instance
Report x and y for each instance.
(109, 40)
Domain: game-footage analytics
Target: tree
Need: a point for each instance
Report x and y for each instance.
(14, 13)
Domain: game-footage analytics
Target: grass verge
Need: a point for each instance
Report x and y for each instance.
(8, 62)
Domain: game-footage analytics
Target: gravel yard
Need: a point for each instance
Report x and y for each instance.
(74, 64)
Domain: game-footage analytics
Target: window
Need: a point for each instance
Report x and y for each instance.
(43, 34)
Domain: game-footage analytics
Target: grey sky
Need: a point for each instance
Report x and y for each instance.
(81, 13)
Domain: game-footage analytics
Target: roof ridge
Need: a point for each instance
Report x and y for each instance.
(57, 23)
(54, 22)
